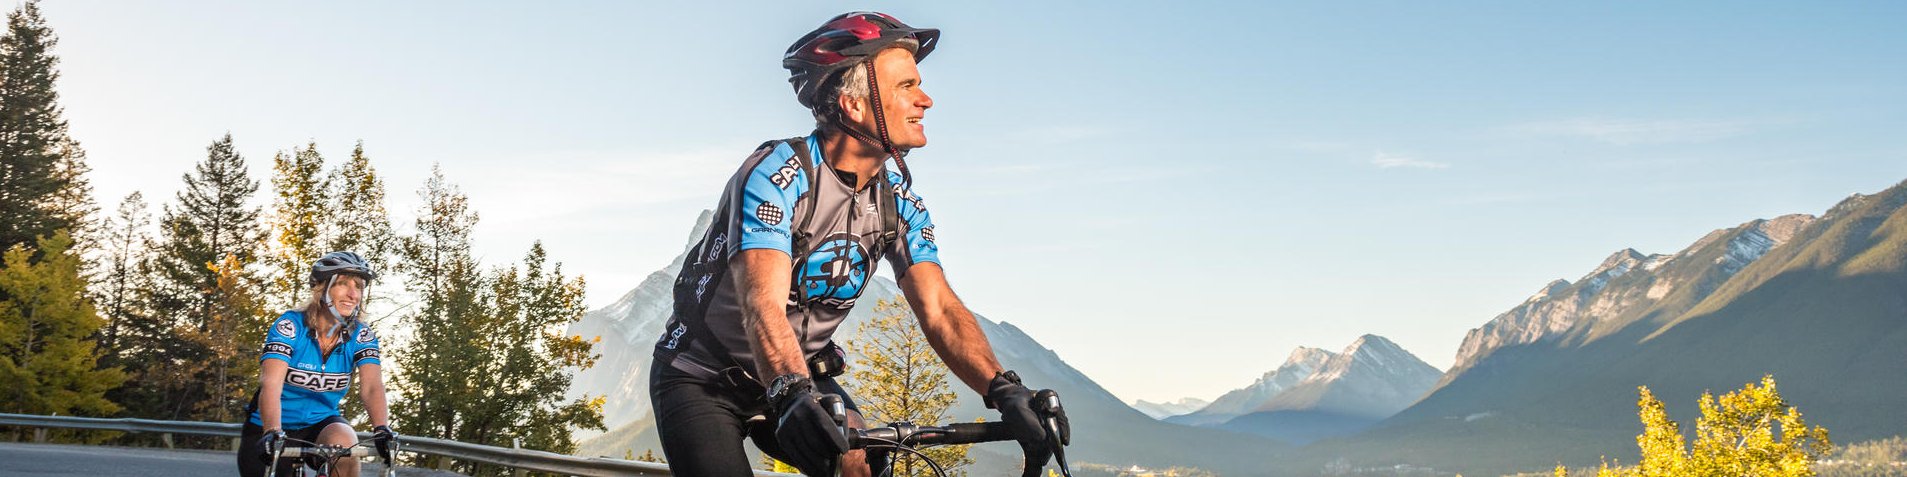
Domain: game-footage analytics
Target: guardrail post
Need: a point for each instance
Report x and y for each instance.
(235, 444)
(166, 438)
(517, 443)
(39, 433)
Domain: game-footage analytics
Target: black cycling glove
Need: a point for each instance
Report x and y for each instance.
(1016, 406)
(269, 443)
(384, 437)
(807, 432)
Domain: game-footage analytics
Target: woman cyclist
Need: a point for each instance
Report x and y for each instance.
(306, 367)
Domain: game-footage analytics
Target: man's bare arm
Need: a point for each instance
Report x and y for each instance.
(761, 281)
(950, 328)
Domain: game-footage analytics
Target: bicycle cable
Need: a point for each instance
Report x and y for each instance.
(891, 459)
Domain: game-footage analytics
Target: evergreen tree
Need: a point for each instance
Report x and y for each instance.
(42, 171)
(357, 218)
(433, 363)
(124, 241)
(900, 378)
(212, 219)
(46, 334)
(210, 222)
(73, 202)
(532, 359)
(295, 228)
(487, 362)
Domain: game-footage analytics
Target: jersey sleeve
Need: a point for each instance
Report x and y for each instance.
(917, 245)
(280, 336)
(364, 347)
(764, 196)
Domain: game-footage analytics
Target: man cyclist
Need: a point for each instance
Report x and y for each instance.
(799, 230)
(305, 371)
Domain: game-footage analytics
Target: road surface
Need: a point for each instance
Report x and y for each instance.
(47, 460)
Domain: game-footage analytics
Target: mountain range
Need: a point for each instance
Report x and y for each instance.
(1317, 394)
(1162, 410)
(1820, 303)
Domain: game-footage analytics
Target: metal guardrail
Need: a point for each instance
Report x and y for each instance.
(524, 459)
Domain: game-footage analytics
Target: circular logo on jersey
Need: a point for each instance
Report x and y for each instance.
(835, 271)
(365, 335)
(769, 213)
(285, 328)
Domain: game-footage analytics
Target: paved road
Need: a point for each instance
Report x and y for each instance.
(46, 460)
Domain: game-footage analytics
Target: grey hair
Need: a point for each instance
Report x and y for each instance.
(853, 82)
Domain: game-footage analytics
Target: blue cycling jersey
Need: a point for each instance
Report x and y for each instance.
(767, 203)
(316, 382)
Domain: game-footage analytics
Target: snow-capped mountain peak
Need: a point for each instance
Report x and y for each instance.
(1162, 410)
(1644, 280)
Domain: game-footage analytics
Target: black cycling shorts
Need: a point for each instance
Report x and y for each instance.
(702, 422)
(250, 460)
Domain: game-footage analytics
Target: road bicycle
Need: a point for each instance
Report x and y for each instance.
(319, 459)
(910, 438)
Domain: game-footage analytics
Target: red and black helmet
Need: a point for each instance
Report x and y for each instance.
(843, 42)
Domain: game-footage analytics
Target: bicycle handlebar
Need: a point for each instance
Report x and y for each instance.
(331, 453)
(328, 451)
(908, 435)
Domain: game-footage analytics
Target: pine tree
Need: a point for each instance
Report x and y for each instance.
(46, 328)
(900, 378)
(535, 305)
(212, 219)
(42, 171)
(73, 202)
(210, 222)
(297, 210)
(124, 241)
(358, 220)
(433, 365)
(487, 363)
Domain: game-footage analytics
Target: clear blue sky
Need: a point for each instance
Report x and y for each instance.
(1170, 196)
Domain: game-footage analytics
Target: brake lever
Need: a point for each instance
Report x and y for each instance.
(277, 452)
(390, 462)
(1046, 403)
(838, 410)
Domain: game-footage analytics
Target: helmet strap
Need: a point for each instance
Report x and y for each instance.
(325, 297)
(885, 144)
(880, 122)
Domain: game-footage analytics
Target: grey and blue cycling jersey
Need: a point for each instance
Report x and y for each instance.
(315, 382)
(761, 208)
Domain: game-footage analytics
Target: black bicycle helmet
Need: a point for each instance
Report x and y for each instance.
(843, 42)
(340, 262)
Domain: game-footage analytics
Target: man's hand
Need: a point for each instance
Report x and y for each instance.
(806, 431)
(269, 443)
(385, 439)
(1016, 406)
